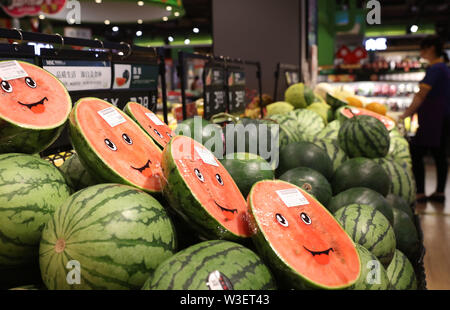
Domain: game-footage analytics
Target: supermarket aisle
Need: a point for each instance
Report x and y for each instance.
(435, 222)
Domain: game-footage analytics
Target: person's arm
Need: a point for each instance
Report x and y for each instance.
(417, 101)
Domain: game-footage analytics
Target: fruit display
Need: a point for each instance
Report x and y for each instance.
(306, 197)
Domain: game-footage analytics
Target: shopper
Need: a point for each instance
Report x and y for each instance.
(432, 104)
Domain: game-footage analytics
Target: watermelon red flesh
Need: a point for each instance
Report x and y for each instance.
(159, 131)
(137, 164)
(320, 254)
(32, 118)
(193, 188)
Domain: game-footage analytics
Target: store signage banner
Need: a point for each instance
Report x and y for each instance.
(236, 90)
(135, 76)
(214, 94)
(20, 8)
(80, 75)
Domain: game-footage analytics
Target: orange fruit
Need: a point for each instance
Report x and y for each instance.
(377, 108)
(354, 102)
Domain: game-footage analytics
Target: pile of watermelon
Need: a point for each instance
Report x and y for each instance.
(139, 206)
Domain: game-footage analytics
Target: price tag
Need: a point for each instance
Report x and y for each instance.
(10, 70)
(206, 156)
(292, 197)
(155, 119)
(112, 116)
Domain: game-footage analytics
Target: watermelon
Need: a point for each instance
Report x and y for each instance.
(299, 239)
(373, 274)
(212, 265)
(361, 172)
(150, 122)
(330, 132)
(38, 110)
(338, 113)
(201, 191)
(30, 191)
(400, 273)
(279, 108)
(113, 147)
(399, 149)
(320, 108)
(77, 177)
(116, 234)
(299, 95)
(336, 154)
(406, 235)
(246, 169)
(402, 183)
(363, 196)
(204, 132)
(311, 181)
(364, 136)
(334, 101)
(369, 228)
(397, 202)
(305, 154)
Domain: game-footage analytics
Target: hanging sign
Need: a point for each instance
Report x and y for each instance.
(236, 90)
(214, 93)
(20, 8)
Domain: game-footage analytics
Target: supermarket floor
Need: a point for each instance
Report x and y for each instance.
(435, 222)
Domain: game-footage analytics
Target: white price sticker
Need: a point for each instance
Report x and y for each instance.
(112, 116)
(206, 156)
(10, 70)
(292, 197)
(155, 119)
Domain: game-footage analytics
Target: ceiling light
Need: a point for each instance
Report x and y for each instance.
(98, 1)
(165, 18)
(107, 22)
(115, 28)
(176, 14)
(168, 8)
(170, 38)
(138, 33)
(196, 30)
(41, 16)
(140, 3)
(414, 28)
(187, 41)
(140, 21)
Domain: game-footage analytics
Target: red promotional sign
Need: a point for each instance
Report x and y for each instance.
(389, 123)
(20, 8)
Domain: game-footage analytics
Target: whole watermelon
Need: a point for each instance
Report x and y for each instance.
(406, 235)
(279, 108)
(361, 172)
(400, 273)
(399, 149)
(397, 202)
(202, 131)
(246, 169)
(369, 228)
(330, 132)
(311, 181)
(299, 95)
(336, 154)
(213, 265)
(363, 196)
(77, 177)
(31, 189)
(115, 234)
(305, 154)
(364, 136)
(373, 274)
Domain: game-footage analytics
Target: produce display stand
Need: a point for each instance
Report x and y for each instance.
(222, 63)
(291, 75)
(101, 64)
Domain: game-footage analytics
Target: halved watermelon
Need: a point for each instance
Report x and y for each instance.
(113, 147)
(157, 129)
(33, 108)
(202, 192)
(300, 239)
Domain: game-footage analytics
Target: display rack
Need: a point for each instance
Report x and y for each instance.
(221, 61)
(144, 65)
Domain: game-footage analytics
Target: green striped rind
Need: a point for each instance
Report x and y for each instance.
(189, 269)
(362, 196)
(369, 228)
(286, 276)
(403, 183)
(93, 161)
(186, 205)
(77, 177)
(117, 233)
(299, 95)
(399, 149)
(334, 102)
(246, 169)
(361, 172)
(30, 191)
(397, 202)
(364, 136)
(373, 275)
(336, 154)
(401, 273)
(330, 132)
(15, 138)
(339, 116)
(406, 235)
